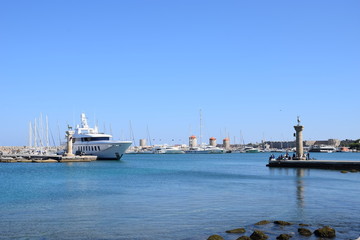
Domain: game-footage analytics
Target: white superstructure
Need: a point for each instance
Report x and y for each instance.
(89, 141)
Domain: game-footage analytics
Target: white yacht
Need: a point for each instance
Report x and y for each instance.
(322, 148)
(167, 150)
(89, 141)
(205, 150)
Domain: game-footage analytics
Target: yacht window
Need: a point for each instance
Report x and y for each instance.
(92, 148)
(89, 139)
(99, 148)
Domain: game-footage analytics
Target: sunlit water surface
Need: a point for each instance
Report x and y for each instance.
(184, 196)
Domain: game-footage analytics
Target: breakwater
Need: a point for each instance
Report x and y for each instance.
(321, 164)
(44, 158)
(46, 155)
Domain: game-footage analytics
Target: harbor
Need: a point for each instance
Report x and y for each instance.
(174, 196)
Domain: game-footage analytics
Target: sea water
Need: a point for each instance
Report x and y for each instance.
(185, 196)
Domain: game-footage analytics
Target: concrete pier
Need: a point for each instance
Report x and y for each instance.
(300, 161)
(321, 164)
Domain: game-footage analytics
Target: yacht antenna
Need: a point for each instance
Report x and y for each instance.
(111, 130)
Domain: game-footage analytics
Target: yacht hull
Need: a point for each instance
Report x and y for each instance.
(108, 151)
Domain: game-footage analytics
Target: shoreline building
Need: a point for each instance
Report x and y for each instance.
(192, 141)
(226, 143)
(212, 141)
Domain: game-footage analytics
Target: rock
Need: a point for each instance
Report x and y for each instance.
(244, 238)
(343, 171)
(258, 235)
(284, 237)
(237, 230)
(263, 222)
(304, 232)
(282, 223)
(326, 232)
(353, 170)
(304, 224)
(215, 237)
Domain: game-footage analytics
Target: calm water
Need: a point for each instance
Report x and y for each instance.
(173, 197)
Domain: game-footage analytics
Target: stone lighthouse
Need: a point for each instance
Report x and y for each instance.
(299, 141)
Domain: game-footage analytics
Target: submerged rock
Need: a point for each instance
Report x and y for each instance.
(237, 230)
(304, 232)
(284, 237)
(326, 232)
(263, 222)
(304, 224)
(282, 223)
(244, 238)
(215, 237)
(258, 235)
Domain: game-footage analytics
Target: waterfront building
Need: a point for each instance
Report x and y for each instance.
(226, 143)
(192, 141)
(212, 141)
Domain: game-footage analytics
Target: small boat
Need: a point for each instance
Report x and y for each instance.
(322, 148)
(251, 150)
(167, 150)
(343, 149)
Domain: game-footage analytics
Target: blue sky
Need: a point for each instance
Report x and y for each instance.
(250, 66)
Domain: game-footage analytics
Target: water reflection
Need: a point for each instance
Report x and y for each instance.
(299, 175)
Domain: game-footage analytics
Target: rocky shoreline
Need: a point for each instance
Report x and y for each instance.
(279, 229)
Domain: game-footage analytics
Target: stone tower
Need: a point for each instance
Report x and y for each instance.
(299, 141)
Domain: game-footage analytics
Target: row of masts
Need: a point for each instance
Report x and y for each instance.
(39, 133)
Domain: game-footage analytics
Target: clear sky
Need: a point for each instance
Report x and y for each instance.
(251, 66)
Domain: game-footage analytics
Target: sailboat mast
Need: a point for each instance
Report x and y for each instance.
(30, 134)
(200, 128)
(35, 134)
(148, 133)
(47, 131)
